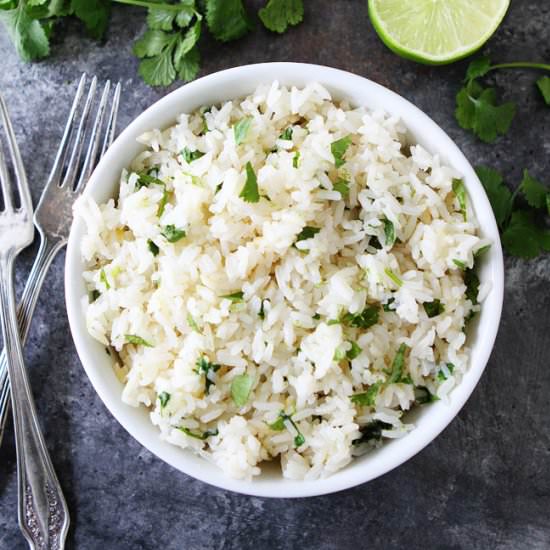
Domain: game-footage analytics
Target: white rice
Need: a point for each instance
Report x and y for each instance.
(280, 333)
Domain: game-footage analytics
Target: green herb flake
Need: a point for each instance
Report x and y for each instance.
(235, 297)
(279, 426)
(481, 251)
(393, 276)
(153, 248)
(163, 398)
(103, 279)
(250, 192)
(372, 432)
(241, 128)
(366, 319)
(460, 264)
(204, 367)
(460, 193)
(388, 305)
(441, 373)
(354, 351)
(287, 134)
(261, 313)
(189, 156)
(368, 398)
(145, 179)
(296, 160)
(543, 84)
(342, 186)
(389, 232)
(316, 317)
(308, 232)
(241, 386)
(137, 340)
(339, 354)
(172, 234)
(471, 280)
(338, 149)
(397, 365)
(434, 308)
(423, 395)
(94, 295)
(202, 436)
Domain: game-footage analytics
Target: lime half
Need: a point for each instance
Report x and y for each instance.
(436, 31)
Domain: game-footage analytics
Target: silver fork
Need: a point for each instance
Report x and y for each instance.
(43, 514)
(53, 215)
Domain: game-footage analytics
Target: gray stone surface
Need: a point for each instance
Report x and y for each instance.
(484, 483)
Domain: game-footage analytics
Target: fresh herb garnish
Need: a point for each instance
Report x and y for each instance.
(387, 306)
(172, 233)
(398, 363)
(280, 424)
(202, 436)
(441, 373)
(241, 386)
(287, 134)
(393, 276)
(145, 179)
(366, 319)
(471, 280)
(296, 159)
(459, 263)
(235, 297)
(153, 248)
(241, 128)
(342, 186)
(204, 367)
(103, 279)
(193, 324)
(189, 156)
(308, 232)
(261, 313)
(354, 351)
(423, 395)
(277, 15)
(434, 308)
(249, 192)
(94, 295)
(163, 397)
(543, 84)
(372, 431)
(389, 232)
(460, 193)
(338, 149)
(368, 398)
(137, 340)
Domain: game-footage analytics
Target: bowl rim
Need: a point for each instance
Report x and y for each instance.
(345, 84)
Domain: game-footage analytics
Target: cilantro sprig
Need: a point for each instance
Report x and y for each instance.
(477, 108)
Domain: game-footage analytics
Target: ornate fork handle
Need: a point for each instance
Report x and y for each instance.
(43, 513)
(46, 253)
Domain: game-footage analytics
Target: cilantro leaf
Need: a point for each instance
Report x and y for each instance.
(372, 432)
(163, 397)
(241, 386)
(27, 34)
(460, 193)
(523, 238)
(103, 279)
(423, 395)
(159, 70)
(534, 191)
(94, 14)
(287, 134)
(296, 159)
(543, 84)
(342, 186)
(366, 399)
(389, 232)
(202, 436)
(153, 248)
(434, 308)
(193, 324)
(187, 65)
(227, 19)
(277, 15)
(477, 111)
(460, 264)
(499, 195)
(186, 44)
(338, 149)
(250, 192)
(471, 280)
(241, 128)
(189, 156)
(397, 365)
(308, 232)
(137, 340)
(478, 68)
(235, 297)
(280, 424)
(151, 43)
(172, 233)
(204, 367)
(366, 319)
(354, 351)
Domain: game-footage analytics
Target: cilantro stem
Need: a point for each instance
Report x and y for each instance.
(521, 65)
(152, 5)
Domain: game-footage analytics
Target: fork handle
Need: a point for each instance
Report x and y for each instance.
(46, 253)
(43, 513)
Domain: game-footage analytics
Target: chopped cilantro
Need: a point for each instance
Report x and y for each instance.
(389, 232)
(172, 233)
(342, 186)
(375, 242)
(308, 232)
(241, 386)
(193, 324)
(137, 340)
(204, 367)
(397, 366)
(280, 424)
(261, 313)
(145, 179)
(366, 319)
(339, 354)
(287, 134)
(241, 128)
(235, 297)
(460, 193)
(190, 156)
(368, 398)
(354, 351)
(393, 276)
(338, 149)
(423, 395)
(441, 375)
(153, 248)
(316, 317)
(163, 397)
(94, 295)
(372, 431)
(103, 279)
(388, 304)
(480, 251)
(202, 436)
(471, 280)
(459, 263)
(249, 192)
(543, 84)
(434, 308)
(296, 159)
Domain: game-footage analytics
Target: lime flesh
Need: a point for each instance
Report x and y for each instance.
(436, 31)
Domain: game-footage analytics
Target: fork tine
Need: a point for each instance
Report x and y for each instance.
(57, 168)
(72, 167)
(20, 175)
(93, 145)
(111, 124)
(4, 181)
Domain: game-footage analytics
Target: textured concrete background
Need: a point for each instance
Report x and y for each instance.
(483, 484)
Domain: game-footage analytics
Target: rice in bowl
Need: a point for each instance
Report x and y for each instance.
(283, 276)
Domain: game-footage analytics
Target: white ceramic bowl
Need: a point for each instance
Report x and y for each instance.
(234, 83)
